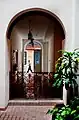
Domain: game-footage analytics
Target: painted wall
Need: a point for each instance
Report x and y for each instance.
(17, 45)
(76, 26)
(8, 9)
(76, 30)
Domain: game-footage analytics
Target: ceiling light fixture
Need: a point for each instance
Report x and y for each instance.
(30, 35)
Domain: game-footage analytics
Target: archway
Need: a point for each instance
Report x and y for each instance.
(33, 11)
(34, 54)
(51, 33)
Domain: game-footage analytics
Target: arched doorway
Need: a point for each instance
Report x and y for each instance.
(48, 29)
(34, 54)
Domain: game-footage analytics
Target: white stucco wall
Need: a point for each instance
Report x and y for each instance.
(17, 45)
(76, 30)
(8, 9)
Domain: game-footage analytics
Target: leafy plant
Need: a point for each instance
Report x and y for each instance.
(64, 113)
(74, 102)
(66, 69)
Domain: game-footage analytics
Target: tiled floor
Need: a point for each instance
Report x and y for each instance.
(25, 113)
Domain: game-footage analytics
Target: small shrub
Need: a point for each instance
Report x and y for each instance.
(64, 113)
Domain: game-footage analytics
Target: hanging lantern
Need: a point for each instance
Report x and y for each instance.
(30, 36)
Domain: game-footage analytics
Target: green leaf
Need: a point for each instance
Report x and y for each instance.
(48, 112)
(63, 108)
(74, 111)
(77, 59)
(63, 113)
(66, 85)
(55, 75)
(76, 118)
(60, 110)
(59, 83)
(78, 106)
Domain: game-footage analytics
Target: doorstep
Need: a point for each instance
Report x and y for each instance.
(35, 102)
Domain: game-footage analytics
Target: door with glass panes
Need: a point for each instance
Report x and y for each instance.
(37, 60)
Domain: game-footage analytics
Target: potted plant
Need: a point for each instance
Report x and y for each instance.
(66, 70)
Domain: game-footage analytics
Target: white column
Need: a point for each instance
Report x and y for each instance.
(64, 95)
(49, 55)
(33, 60)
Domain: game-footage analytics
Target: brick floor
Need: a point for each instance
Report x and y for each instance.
(25, 113)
